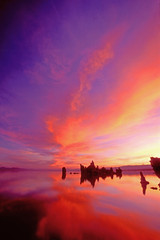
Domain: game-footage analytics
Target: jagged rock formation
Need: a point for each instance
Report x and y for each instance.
(155, 163)
(93, 173)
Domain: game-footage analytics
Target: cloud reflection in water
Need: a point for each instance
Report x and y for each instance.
(73, 217)
(69, 211)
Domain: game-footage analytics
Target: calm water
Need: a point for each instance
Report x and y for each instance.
(41, 205)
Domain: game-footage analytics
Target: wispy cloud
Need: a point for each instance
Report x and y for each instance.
(96, 62)
(80, 83)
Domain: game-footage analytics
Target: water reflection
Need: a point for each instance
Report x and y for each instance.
(19, 217)
(144, 183)
(45, 207)
(157, 172)
(73, 211)
(93, 178)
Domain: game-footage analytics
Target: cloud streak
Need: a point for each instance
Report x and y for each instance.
(80, 83)
(95, 63)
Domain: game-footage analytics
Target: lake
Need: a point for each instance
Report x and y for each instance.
(42, 205)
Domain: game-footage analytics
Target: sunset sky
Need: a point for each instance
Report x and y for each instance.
(79, 81)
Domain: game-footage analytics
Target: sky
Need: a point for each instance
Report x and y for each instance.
(79, 81)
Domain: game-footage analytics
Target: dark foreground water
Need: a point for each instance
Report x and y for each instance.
(41, 205)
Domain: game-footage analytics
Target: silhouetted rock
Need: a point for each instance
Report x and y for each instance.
(154, 188)
(63, 172)
(93, 173)
(119, 172)
(144, 183)
(155, 163)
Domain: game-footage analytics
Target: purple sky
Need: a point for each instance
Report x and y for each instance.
(79, 80)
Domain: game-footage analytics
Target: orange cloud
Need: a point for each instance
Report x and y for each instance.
(50, 122)
(136, 89)
(130, 101)
(70, 131)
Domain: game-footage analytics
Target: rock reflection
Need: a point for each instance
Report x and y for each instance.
(157, 172)
(92, 173)
(70, 215)
(154, 188)
(144, 183)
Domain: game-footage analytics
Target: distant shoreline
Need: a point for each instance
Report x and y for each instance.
(124, 168)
